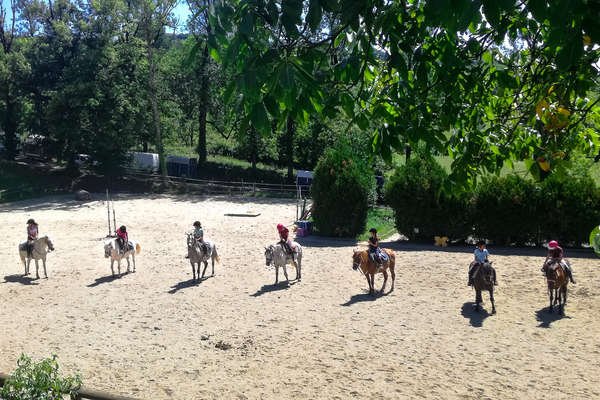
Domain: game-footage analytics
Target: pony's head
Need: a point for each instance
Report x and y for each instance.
(269, 255)
(49, 243)
(107, 248)
(356, 259)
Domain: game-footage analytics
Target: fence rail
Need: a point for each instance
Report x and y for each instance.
(84, 393)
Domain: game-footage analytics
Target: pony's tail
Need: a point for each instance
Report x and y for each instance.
(217, 256)
(138, 248)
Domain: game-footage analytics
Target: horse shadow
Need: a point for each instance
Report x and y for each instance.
(276, 287)
(187, 284)
(106, 279)
(476, 317)
(364, 297)
(22, 279)
(545, 318)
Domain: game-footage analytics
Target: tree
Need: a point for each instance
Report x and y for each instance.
(154, 16)
(485, 81)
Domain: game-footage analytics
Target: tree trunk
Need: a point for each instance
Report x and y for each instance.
(253, 148)
(203, 106)
(155, 114)
(289, 149)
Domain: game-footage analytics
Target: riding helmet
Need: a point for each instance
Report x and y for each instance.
(552, 244)
(123, 229)
(481, 242)
(198, 224)
(31, 221)
(373, 230)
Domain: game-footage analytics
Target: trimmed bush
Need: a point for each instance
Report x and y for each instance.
(421, 209)
(506, 210)
(33, 381)
(343, 189)
(570, 209)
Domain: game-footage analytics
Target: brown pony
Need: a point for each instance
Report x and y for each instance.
(557, 285)
(483, 279)
(361, 259)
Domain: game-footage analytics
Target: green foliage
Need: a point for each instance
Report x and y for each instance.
(381, 219)
(595, 239)
(422, 210)
(343, 189)
(571, 209)
(507, 210)
(487, 82)
(41, 380)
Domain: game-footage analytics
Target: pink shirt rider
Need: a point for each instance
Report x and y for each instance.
(32, 232)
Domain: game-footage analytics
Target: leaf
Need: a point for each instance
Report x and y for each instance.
(491, 10)
(569, 54)
(271, 105)
(348, 104)
(351, 9)
(290, 17)
(259, 117)
(315, 13)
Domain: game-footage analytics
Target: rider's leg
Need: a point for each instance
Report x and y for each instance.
(569, 270)
(471, 276)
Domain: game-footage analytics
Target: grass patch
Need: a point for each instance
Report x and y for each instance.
(382, 219)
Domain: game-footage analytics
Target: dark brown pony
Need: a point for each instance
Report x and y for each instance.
(361, 259)
(483, 279)
(557, 285)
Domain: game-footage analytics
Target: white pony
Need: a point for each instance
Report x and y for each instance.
(112, 250)
(276, 255)
(41, 247)
(199, 254)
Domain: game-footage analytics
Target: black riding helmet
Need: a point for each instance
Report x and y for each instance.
(481, 242)
(373, 230)
(123, 229)
(31, 221)
(197, 224)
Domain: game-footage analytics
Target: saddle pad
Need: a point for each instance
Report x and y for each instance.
(383, 255)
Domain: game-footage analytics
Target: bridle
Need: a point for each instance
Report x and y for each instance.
(356, 265)
(269, 255)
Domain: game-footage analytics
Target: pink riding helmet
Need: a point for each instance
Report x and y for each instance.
(552, 244)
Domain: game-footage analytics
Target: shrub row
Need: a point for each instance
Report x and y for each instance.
(509, 210)
(343, 189)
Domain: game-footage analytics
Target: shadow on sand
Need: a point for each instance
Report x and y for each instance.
(545, 318)
(364, 297)
(107, 279)
(284, 285)
(187, 284)
(22, 279)
(476, 317)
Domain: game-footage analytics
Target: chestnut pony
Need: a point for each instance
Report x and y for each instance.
(557, 285)
(361, 259)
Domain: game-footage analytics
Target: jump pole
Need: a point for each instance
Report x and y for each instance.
(113, 210)
(108, 212)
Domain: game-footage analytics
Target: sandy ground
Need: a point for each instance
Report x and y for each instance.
(155, 335)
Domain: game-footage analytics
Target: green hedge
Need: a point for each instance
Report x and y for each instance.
(509, 210)
(343, 189)
(422, 211)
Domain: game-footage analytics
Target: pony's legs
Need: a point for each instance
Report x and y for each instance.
(551, 293)
(37, 270)
(478, 299)
(299, 268)
(393, 277)
(492, 301)
(372, 283)
(204, 270)
(276, 274)
(112, 262)
(27, 266)
(128, 264)
(133, 259)
(44, 265)
(385, 276)
(213, 265)
(193, 270)
(285, 273)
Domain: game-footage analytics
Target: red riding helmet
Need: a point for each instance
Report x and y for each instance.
(552, 244)
(280, 227)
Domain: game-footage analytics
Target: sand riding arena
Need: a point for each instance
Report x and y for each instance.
(157, 335)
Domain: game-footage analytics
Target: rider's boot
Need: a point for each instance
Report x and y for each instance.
(570, 273)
